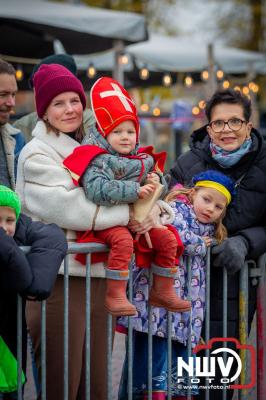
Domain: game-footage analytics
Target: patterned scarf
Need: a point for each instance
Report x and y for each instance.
(228, 158)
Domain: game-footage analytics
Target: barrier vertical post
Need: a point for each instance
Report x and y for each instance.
(261, 330)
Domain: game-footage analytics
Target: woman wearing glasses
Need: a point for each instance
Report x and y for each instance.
(229, 143)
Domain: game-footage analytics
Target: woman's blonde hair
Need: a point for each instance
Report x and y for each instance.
(220, 230)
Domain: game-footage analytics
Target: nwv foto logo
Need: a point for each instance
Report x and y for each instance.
(206, 366)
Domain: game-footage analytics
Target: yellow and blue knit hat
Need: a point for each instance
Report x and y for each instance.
(8, 198)
(216, 180)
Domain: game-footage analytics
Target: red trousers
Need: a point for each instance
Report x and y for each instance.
(120, 241)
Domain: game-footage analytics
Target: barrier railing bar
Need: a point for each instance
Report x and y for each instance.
(261, 329)
(150, 308)
(19, 345)
(88, 326)
(207, 312)
(43, 350)
(130, 338)
(189, 272)
(225, 291)
(243, 324)
(169, 355)
(66, 327)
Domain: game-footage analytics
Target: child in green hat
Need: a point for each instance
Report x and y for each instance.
(31, 276)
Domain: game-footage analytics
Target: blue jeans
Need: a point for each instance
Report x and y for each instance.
(159, 367)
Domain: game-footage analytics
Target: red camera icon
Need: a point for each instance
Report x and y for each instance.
(243, 349)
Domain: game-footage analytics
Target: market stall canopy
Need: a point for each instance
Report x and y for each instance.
(28, 28)
(179, 54)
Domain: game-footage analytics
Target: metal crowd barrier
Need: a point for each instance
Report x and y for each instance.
(253, 271)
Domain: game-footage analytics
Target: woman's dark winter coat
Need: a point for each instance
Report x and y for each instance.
(245, 216)
(31, 275)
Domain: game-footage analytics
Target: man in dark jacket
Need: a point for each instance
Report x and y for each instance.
(32, 275)
(231, 145)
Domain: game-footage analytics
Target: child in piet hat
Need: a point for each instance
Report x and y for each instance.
(113, 170)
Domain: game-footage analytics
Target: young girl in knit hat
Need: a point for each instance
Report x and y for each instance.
(32, 276)
(199, 212)
(113, 170)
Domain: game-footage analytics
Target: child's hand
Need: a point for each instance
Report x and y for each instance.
(146, 190)
(207, 240)
(153, 178)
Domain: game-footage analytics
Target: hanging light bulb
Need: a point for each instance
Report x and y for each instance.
(226, 84)
(205, 75)
(144, 107)
(237, 88)
(256, 88)
(91, 71)
(220, 74)
(188, 81)
(195, 110)
(144, 73)
(156, 111)
(251, 85)
(19, 73)
(245, 90)
(202, 104)
(123, 59)
(167, 80)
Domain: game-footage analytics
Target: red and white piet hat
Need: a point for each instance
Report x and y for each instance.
(112, 105)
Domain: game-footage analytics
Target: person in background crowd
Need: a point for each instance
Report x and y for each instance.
(11, 139)
(27, 123)
(32, 276)
(48, 193)
(229, 143)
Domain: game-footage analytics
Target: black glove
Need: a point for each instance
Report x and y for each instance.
(231, 254)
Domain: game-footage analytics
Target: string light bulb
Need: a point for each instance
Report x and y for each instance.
(167, 80)
(19, 73)
(195, 110)
(253, 87)
(188, 81)
(220, 74)
(245, 90)
(91, 71)
(226, 84)
(202, 104)
(144, 73)
(205, 75)
(256, 88)
(123, 59)
(144, 107)
(156, 112)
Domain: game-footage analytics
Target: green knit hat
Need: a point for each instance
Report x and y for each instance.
(8, 198)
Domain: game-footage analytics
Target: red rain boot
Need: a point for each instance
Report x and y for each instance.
(163, 294)
(116, 300)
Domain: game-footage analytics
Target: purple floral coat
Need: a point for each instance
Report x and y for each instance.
(191, 232)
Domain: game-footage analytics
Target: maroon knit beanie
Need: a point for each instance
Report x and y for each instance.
(50, 81)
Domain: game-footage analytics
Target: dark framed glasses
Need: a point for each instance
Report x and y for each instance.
(235, 124)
